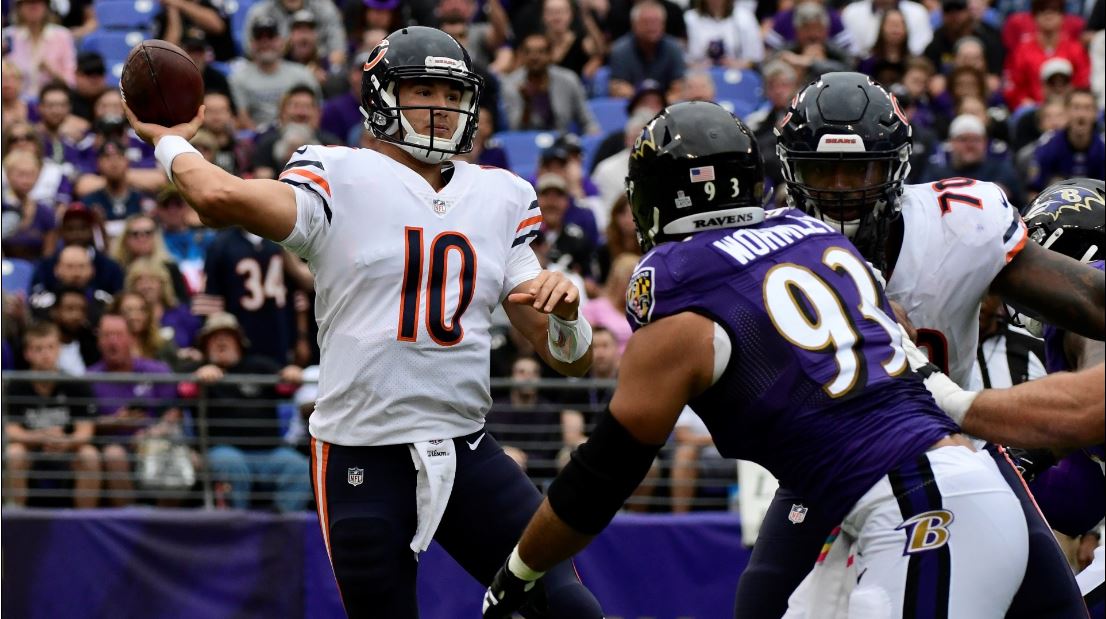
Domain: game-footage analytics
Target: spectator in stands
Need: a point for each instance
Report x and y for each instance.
(646, 52)
(526, 423)
(1077, 150)
(649, 98)
(696, 462)
(484, 41)
(128, 411)
(1056, 78)
(42, 50)
(70, 312)
(863, 19)
(721, 33)
(569, 245)
(968, 158)
(579, 50)
(1052, 115)
(118, 199)
(78, 228)
(926, 142)
(246, 445)
(185, 238)
(141, 238)
(259, 84)
(73, 269)
(341, 114)
(959, 23)
(969, 82)
(245, 275)
(619, 17)
(1097, 51)
(196, 45)
(219, 121)
(919, 73)
(610, 174)
(995, 121)
(485, 148)
(608, 310)
(781, 82)
(143, 174)
(150, 278)
(53, 186)
(542, 96)
(584, 405)
(367, 15)
(887, 60)
(1006, 355)
(298, 106)
(303, 48)
(13, 106)
(89, 83)
(279, 14)
(179, 18)
(783, 31)
(621, 237)
(698, 86)
(1023, 66)
(49, 425)
(565, 159)
(146, 333)
(1022, 24)
(58, 128)
(812, 53)
(28, 223)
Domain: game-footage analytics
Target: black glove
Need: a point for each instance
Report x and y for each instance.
(506, 594)
(1031, 462)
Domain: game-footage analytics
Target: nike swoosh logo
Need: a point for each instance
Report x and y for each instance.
(473, 445)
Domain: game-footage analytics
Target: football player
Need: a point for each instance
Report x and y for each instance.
(773, 329)
(411, 253)
(844, 146)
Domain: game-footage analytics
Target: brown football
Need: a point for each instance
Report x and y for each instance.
(161, 84)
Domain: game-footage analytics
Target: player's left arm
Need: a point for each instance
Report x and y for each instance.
(1061, 290)
(546, 310)
(666, 363)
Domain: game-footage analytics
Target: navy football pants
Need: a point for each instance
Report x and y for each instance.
(784, 553)
(369, 526)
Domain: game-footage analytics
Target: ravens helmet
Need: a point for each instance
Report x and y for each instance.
(844, 146)
(419, 53)
(694, 167)
(1070, 217)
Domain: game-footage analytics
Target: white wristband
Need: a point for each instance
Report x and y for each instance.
(519, 568)
(950, 397)
(167, 150)
(568, 339)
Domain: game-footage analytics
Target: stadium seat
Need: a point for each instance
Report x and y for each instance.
(743, 88)
(17, 276)
(590, 144)
(523, 149)
(600, 82)
(609, 112)
(125, 14)
(113, 45)
(741, 109)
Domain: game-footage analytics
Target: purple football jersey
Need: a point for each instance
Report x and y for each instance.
(816, 390)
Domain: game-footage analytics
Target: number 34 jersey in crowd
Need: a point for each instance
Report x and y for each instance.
(817, 388)
(406, 279)
(959, 234)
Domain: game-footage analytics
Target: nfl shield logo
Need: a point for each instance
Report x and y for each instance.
(439, 206)
(355, 476)
(798, 513)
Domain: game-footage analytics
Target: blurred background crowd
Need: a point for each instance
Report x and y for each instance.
(108, 270)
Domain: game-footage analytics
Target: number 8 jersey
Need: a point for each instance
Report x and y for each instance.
(816, 358)
(406, 280)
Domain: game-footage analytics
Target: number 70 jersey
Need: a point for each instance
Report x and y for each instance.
(406, 280)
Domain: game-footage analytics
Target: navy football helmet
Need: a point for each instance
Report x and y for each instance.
(694, 167)
(1070, 217)
(844, 147)
(419, 53)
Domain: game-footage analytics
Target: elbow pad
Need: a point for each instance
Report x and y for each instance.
(600, 476)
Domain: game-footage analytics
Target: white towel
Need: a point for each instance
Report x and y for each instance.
(436, 462)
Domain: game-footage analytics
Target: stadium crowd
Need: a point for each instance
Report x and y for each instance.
(108, 269)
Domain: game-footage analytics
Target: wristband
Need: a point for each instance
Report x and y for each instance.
(519, 568)
(569, 340)
(167, 150)
(950, 397)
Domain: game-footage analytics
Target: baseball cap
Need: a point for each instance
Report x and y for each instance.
(646, 87)
(1055, 66)
(90, 63)
(949, 6)
(222, 321)
(265, 24)
(552, 181)
(303, 16)
(569, 143)
(382, 5)
(554, 153)
(79, 209)
(966, 124)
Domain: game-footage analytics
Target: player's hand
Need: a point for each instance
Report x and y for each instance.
(551, 292)
(506, 594)
(151, 133)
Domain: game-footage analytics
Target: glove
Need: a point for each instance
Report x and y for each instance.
(508, 591)
(949, 396)
(1031, 462)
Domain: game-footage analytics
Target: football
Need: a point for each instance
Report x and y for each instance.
(161, 84)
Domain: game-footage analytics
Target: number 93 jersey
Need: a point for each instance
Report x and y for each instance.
(406, 280)
(959, 234)
(817, 389)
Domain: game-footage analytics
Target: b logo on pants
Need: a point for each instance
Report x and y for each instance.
(926, 531)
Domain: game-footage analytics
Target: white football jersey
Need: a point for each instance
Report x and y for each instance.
(406, 279)
(959, 234)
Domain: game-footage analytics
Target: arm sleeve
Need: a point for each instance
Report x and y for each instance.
(307, 175)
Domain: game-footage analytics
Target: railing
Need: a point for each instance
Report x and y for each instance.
(122, 468)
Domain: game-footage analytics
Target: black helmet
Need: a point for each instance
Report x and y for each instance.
(845, 122)
(416, 53)
(1070, 217)
(694, 167)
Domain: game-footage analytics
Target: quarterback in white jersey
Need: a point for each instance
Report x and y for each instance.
(844, 147)
(411, 254)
